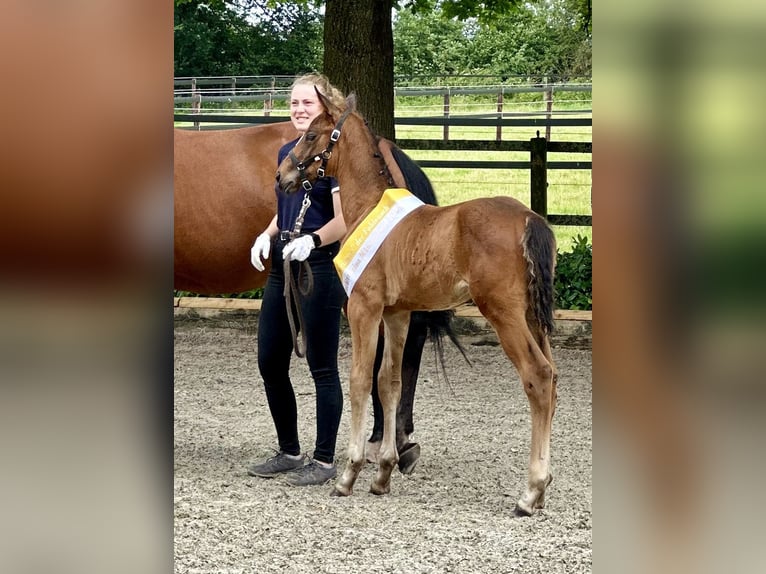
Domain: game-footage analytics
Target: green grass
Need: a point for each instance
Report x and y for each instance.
(569, 191)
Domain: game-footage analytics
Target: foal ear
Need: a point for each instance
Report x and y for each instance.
(331, 108)
(351, 102)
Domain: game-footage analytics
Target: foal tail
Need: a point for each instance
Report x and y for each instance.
(440, 326)
(539, 245)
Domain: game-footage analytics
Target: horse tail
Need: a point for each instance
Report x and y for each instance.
(440, 326)
(539, 246)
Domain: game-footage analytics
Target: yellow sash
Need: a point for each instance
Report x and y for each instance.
(366, 239)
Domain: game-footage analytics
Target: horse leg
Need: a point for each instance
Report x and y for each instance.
(373, 443)
(363, 319)
(409, 452)
(532, 359)
(545, 346)
(390, 389)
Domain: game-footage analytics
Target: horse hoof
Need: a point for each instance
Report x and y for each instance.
(336, 492)
(378, 491)
(408, 458)
(518, 511)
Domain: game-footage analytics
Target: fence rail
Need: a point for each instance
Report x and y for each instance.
(191, 92)
(279, 87)
(466, 310)
(538, 148)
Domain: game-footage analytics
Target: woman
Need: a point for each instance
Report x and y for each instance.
(318, 242)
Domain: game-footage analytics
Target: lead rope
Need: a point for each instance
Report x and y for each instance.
(292, 290)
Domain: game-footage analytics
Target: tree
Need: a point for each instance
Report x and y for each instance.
(541, 38)
(358, 41)
(359, 47)
(219, 37)
(429, 44)
(209, 39)
(359, 56)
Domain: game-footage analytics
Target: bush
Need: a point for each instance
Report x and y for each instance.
(573, 282)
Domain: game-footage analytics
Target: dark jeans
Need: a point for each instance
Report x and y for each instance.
(321, 315)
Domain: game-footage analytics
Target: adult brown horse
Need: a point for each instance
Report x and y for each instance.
(494, 250)
(223, 186)
(224, 197)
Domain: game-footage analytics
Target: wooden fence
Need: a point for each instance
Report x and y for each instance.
(538, 148)
(469, 311)
(192, 92)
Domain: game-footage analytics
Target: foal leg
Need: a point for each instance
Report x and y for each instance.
(363, 319)
(373, 443)
(409, 452)
(545, 346)
(537, 374)
(390, 388)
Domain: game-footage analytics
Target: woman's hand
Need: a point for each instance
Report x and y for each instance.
(260, 250)
(298, 249)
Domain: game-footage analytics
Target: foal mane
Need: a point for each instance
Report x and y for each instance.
(417, 182)
(415, 178)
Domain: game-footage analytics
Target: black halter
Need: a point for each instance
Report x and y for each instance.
(290, 290)
(324, 156)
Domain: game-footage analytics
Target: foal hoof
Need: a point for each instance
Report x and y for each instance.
(336, 492)
(380, 490)
(408, 457)
(518, 511)
(527, 506)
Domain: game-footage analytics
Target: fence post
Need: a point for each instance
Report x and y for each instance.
(196, 100)
(499, 130)
(446, 115)
(548, 95)
(268, 105)
(539, 177)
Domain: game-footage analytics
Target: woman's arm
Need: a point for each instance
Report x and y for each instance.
(335, 229)
(271, 228)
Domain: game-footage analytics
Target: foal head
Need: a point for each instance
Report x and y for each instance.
(312, 157)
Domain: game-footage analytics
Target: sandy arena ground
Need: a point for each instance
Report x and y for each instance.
(453, 514)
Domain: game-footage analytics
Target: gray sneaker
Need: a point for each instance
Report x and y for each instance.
(311, 474)
(277, 464)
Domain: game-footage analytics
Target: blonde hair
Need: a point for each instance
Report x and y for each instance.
(325, 87)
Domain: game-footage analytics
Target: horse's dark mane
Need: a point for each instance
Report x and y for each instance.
(417, 181)
(439, 322)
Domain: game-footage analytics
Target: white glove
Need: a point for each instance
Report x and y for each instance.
(260, 250)
(298, 249)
